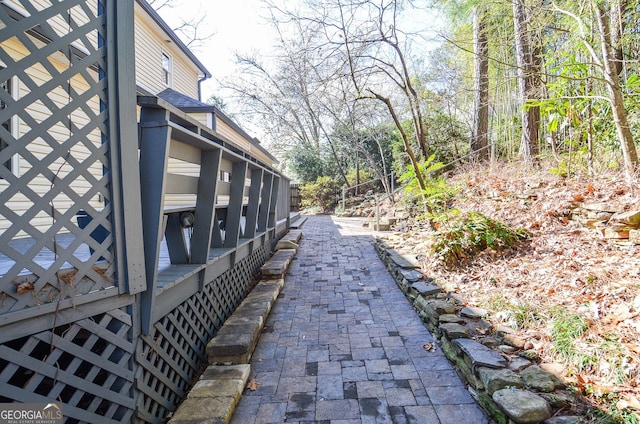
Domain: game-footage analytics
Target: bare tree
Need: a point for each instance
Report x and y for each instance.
(375, 55)
(615, 92)
(193, 30)
(295, 96)
(618, 10)
(160, 4)
(353, 47)
(359, 122)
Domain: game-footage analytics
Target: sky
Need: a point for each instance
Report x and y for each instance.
(241, 26)
(238, 26)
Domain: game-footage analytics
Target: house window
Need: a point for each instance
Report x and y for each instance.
(7, 86)
(225, 176)
(166, 69)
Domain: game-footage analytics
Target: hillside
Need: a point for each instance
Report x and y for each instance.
(571, 291)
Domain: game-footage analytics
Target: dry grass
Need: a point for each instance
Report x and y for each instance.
(564, 270)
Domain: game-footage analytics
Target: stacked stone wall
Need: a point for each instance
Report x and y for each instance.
(501, 375)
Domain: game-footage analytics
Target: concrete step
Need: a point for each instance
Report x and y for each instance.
(379, 226)
(215, 396)
(289, 240)
(234, 343)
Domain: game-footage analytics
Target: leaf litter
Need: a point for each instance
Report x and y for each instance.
(564, 266)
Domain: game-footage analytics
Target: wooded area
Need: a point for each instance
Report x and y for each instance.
(531, 110)
(358, 84)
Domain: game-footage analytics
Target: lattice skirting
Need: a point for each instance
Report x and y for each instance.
(174, 355)
(85, 365)
(100, 374)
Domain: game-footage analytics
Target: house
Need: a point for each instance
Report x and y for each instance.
(164, 67)
(133, 216)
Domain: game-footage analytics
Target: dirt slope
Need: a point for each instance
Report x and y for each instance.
(565, 272)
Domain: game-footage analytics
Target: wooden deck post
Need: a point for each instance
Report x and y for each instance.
(205, 206)
(265, 202)
(155, 137)
(252, 207)
(271, 222)
(127, 237)
(236, 198)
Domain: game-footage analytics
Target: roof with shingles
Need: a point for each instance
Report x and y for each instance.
(184, 102)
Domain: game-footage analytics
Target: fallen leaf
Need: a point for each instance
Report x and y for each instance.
(505, 356)
(253, 385)
(561, 266)
(25, 288)
(628, 401)
(582, 382)
(429, 347)
(634, 347)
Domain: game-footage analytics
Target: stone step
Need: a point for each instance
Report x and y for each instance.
(214, 397)
(279, 263)
(289, 240)
(402, 261)
(381, 226)
(235, 342)
(292, 235)
(298, 222)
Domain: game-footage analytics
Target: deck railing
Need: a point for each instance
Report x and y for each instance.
(207, 223)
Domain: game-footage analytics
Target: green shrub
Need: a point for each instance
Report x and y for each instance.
(320, 194)
(472, 233)
(436, 194)
(365, 176)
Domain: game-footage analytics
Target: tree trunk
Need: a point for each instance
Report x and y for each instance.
(527, 82)
(479, 140)
(618, 8)
(615, 95)
(405, 141)
(381, 174)
(357, 173)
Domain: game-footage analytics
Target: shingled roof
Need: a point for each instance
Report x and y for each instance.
(185, 103)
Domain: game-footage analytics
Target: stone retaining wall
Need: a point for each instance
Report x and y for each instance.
(502, 376)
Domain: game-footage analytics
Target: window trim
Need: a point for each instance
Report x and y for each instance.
(167, 73)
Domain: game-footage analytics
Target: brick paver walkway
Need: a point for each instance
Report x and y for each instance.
(343, 345)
